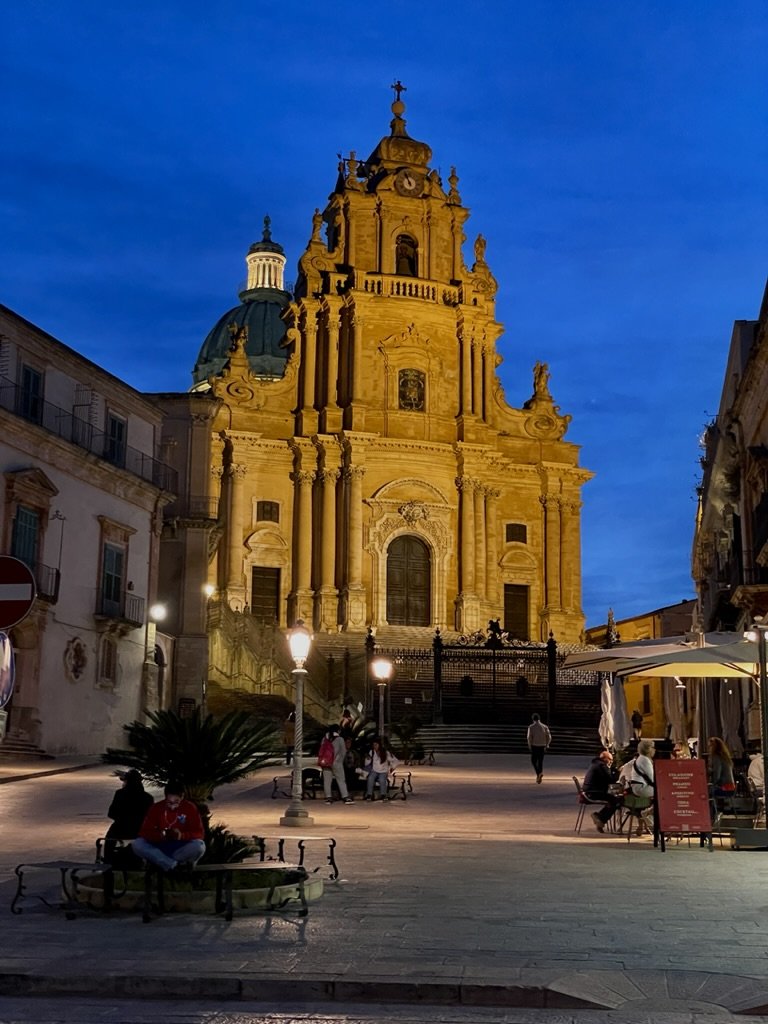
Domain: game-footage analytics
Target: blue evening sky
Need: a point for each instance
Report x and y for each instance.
(614, 155)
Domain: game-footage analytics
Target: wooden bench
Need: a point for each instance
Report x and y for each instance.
(69, 872)
(302, 840)
(154, 880)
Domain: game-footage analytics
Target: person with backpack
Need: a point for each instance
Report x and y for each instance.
(330, 758)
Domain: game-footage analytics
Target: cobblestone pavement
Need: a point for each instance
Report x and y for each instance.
(476, 889)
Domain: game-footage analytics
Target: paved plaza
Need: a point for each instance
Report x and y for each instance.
(474, 897)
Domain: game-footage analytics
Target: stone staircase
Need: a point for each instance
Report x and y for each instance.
(13, 748)
(507, 739)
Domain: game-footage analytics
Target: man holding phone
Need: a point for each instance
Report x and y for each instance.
(172, 832)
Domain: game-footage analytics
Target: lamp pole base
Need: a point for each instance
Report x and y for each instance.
(296, 817)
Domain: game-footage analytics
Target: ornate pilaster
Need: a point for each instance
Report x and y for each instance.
(302, 596)
(466, 375)
(477, 380)
(492, 546)
(308, 419)
(468, 607)
(480, 541)
(551, 504)
(235, 533)
(570, 555)
(327, 597)
(330, 418)
(353, 594)
(488, 360)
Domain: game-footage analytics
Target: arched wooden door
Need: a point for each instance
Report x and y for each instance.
(408, 581)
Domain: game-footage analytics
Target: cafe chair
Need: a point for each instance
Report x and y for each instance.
(584, 802)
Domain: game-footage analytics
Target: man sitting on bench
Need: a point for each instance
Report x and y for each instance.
(172, 833)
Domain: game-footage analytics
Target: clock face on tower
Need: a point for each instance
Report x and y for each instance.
(408, 183)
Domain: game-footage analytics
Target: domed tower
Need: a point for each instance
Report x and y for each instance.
(262, 303)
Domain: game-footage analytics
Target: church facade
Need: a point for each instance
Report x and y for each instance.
(347, 455)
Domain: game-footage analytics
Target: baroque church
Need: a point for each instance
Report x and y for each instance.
(346, 454)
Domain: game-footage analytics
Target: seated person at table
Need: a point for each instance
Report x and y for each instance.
(756, 773)
(172, 832)
(641, 778)
(599, 778)
(720, 767)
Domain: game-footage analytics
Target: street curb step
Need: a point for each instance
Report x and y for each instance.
(23, 776)
(299, 990)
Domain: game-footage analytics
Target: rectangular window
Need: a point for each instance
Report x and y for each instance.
(265, 594)
(516, 600)
(26, 533)
(268, 511)
(30, 395)
(108, 660)
(112, 574)
(517, 532)
(646, 698)
(114, 441)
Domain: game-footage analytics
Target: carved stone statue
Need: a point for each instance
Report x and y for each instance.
(480, 244)
(541, 381)
(317, 224)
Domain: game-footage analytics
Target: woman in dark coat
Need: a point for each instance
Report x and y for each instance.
(127, 811)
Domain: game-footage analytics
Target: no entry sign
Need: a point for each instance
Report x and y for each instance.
(17, 591)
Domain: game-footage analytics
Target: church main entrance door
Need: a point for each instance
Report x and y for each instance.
(408, 578)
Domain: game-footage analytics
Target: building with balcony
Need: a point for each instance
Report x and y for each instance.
(82, 492)
(730, 549)
(347, 453)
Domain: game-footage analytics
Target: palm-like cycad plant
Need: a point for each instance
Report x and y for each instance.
(200, 753)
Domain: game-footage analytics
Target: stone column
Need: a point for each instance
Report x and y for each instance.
(358, 409)
(492, 548)
(480, 544)
(551, 503)
(353, 612)
(235, 532)
(327, 598)
(488, 360)
(477, 383)
(331, 418)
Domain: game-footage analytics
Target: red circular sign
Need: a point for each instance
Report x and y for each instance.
(17, 591)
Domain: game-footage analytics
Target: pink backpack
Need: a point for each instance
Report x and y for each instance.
(326, 755)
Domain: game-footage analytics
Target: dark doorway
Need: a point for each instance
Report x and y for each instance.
(516, 611)
(408, 580)
(265, 594)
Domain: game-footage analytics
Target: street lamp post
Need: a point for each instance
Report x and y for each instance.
(757, 632)
(382, 671)
(299, 642)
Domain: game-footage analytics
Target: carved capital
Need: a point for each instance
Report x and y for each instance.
(217, 472)
(550, 501)
(303, 477)
(329, 476)
(237, 471)
(354, 473)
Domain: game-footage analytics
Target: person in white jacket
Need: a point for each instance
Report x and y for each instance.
(380, 762)
(539, 738)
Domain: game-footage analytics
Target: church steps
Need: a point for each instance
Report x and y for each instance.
(511, 739)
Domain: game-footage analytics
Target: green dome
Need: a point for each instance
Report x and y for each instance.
(260, 313)
(263, 300)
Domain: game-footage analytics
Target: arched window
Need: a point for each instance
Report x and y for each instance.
(406, 256)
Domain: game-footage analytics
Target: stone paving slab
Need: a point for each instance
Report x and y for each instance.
(475, 891)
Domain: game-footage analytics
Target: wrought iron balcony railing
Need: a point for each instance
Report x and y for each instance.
(79, 432)
(193, 507)
(129, 609)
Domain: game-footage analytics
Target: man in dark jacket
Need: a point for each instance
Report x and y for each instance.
(600, 775)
